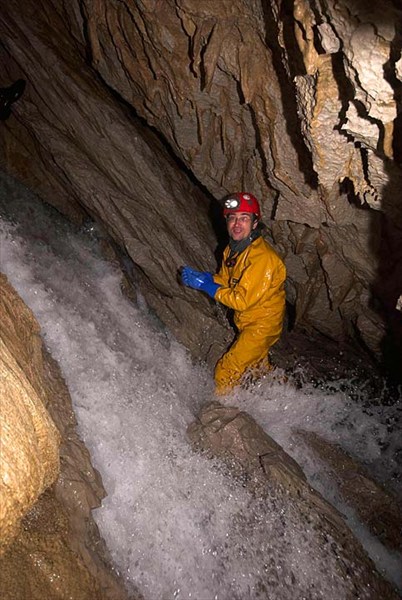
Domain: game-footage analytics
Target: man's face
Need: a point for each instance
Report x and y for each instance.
(240, 225)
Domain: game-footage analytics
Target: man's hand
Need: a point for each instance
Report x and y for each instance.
(199, 280)
(195, 279)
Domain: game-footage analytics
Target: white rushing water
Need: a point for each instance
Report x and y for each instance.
(176, 525)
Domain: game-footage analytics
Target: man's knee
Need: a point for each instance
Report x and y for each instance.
(248, 355)
(227, 375)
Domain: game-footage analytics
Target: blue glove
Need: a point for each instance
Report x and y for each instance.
(210, 288)
(195, 279)
(199, 280)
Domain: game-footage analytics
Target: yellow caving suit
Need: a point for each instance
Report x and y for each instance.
(254, 288)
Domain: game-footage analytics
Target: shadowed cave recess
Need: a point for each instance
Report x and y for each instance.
(137, 119)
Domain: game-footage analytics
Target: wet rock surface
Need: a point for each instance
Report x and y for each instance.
(261, 464)
(377, 509)
(56, 551)
(29, 440)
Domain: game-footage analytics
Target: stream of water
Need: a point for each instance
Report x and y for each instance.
(176, 525)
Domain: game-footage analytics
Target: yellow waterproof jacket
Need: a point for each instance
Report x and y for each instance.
(254, 288)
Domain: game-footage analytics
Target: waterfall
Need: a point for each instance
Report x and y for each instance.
(176, 524)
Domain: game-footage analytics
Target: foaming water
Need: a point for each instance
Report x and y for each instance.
(176, 525)
(368, 433)
(365, 434)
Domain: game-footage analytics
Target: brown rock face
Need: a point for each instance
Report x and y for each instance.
(297, 103)
(29, 438)
(50, 544)
(235, 437)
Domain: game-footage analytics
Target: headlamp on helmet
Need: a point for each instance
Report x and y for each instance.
(242, 202)
(232, 203)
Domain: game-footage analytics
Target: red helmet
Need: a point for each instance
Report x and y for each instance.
(242, 202)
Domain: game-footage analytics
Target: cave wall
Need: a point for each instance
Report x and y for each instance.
(29, 439)
(143, 115)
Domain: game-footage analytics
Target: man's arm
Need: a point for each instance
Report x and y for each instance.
(222, 277)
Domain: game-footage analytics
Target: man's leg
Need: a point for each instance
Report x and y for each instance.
(250, 351)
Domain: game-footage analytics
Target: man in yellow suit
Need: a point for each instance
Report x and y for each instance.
(251, 282)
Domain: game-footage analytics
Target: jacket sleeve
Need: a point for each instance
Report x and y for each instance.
(261, 277)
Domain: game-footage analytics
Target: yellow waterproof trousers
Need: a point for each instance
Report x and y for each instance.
(248, 355)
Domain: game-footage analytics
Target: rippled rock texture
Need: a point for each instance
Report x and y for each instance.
(262, 465)
(142, 115)
(50, 545)
(29, 438)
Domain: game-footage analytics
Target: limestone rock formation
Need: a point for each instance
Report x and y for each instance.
(50, 546)
(143, 115)
(29, 438)
(234, 437)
